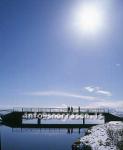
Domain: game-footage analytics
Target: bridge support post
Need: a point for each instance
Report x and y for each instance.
(84, 120)
(39, 121)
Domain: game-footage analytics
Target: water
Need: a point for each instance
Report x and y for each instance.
(38, 139)
(43, 138)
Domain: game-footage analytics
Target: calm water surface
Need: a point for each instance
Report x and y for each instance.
(38, 139)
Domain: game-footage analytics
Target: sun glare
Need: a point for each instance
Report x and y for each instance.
(88, 19)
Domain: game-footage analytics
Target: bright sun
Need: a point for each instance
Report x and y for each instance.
(88, 18)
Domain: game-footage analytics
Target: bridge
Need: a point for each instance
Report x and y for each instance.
(14, 117)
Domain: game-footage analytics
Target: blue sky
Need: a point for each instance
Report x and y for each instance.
(46, 61)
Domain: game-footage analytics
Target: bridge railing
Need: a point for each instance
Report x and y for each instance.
(18, 109)
(60, 110)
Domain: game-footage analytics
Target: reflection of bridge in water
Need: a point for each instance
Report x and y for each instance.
(50, 131)
(14, 117)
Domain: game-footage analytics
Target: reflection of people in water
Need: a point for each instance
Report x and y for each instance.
(70, 130)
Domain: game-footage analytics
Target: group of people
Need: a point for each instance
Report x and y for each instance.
(70, 109)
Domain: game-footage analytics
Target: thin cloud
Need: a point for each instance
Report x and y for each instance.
(64, 94)
(107, 93)
(89, 89)
(118, 65)
(97, 90)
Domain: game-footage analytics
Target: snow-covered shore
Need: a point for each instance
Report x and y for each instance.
(104, 137)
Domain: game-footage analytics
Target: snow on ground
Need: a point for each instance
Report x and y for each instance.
(103, 137)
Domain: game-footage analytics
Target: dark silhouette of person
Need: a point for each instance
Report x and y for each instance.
(71, 109)
(79, 110)
(68, 109)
